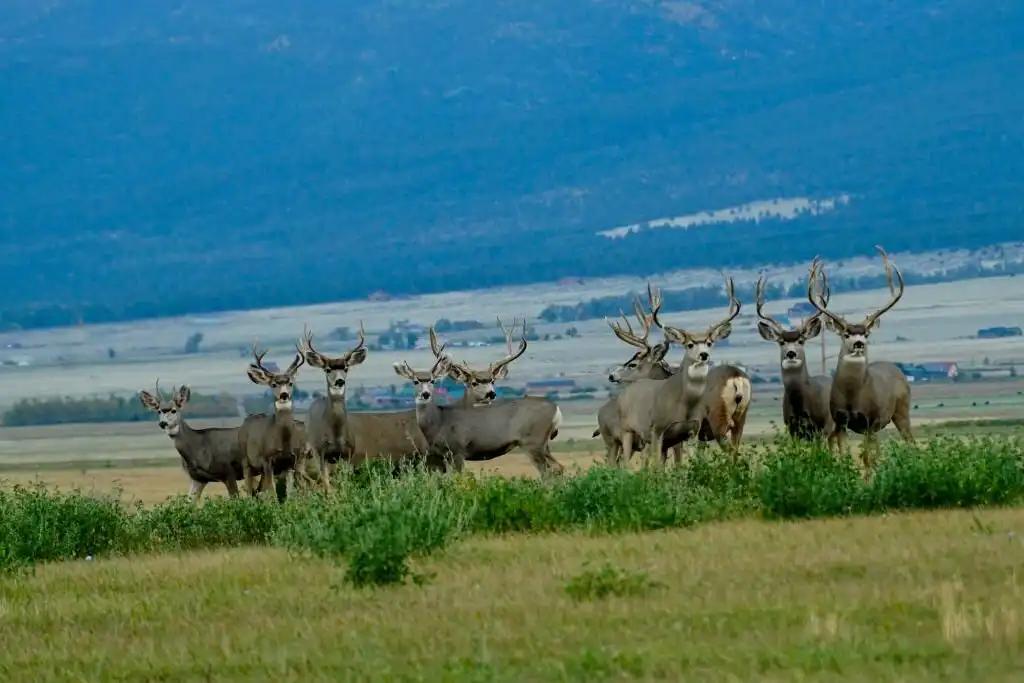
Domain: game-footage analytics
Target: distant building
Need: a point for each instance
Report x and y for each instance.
(547, 386)
(999, 332)
(924, 372)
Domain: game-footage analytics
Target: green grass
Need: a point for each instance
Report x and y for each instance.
(701, 571)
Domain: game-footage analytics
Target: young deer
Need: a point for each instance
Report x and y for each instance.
(670, 411)
(483, 432)
(805, 399)
(865, 396)
(272, 444)
(207, 455)
(327, 424)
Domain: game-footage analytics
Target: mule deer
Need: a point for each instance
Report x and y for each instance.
(207, 455)
(805, 399)
(481, 432)
(272, 444)
(327, 427)
(646, 363)
(479, 384)
(355, 438)
(670, 411)
(865, 396)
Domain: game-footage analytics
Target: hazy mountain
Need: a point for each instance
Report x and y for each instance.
(173, 156)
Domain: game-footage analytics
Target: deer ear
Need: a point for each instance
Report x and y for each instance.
(722, 331)
(458, 374)
(659, 351)
(812, 327)
(148, 400)
(501, 374)
(313, 360)
(257, 376)
(830, 325)
(184, 394)
(674, 336)
(767, 331)
(356, 357)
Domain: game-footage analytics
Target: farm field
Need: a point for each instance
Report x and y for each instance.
(933, 323)
(907, 597)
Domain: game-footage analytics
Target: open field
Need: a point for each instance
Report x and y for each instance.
(934, 320)
(138, 459)
(910, 597)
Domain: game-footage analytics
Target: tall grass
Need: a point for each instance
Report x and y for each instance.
(376, 523)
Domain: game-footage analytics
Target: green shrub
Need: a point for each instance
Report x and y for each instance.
(608, 581)
(376, 521)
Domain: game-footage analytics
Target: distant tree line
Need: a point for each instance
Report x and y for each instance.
(54, 411)
(710, 296)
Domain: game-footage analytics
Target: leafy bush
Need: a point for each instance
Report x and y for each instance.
(377, 521)
(607, 581)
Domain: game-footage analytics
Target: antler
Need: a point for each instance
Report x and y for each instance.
(627, 335)
(258, 356)
(305, 344)
(818, 272)
(512, 355)
(360, 344)
(734, 306)
(435, 347)
(762, 281)
(894, 296)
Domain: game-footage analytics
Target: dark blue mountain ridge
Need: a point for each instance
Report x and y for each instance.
(163, 158)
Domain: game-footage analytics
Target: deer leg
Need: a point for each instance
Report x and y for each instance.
(267, 478)
(195, 490)
(901, 418)
(247, 473)
(677, 454)
(627, 447)
(232, 486)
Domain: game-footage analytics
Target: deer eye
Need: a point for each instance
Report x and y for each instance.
(690, 345)
(710, 344)
(800, 342)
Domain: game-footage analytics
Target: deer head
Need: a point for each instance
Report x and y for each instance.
(697, 346)
(480, 383)
(854, 336)
(643, 361)
(168, 412)
(335, 367)
(423, 382)
(282, 384)
(791, 342)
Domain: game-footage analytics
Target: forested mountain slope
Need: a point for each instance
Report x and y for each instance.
(174, 156)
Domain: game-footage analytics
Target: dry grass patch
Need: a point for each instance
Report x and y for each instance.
(920, 597)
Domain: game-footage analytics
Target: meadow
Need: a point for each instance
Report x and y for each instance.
(787, 565)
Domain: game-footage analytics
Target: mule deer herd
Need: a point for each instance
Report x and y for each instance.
(659, 407)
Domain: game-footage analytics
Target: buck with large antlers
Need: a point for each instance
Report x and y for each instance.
(480, 383)
(272, 444)
(207, 455)
(336, 435)
(805, 399)
(670, 411)
(646, 363)
(724, 406)
(865, 396)
(482, 432)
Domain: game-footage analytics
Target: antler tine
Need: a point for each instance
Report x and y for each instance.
(435, 347)
(258, 356)
(734, 305)
(305, 344)
(159, 397)
(894, 296)
(510, 332)
(512, 355)
(817, 272)
(362, 338)
(642, 318)
(441, 360)
(627, 335)
(655, 300)
(762, 281)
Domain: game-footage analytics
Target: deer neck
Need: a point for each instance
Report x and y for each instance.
(689, 381)
(185, 441)
(284, 418)
(851, 373)
(336, 415)
(428, 418)
(796, 379)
